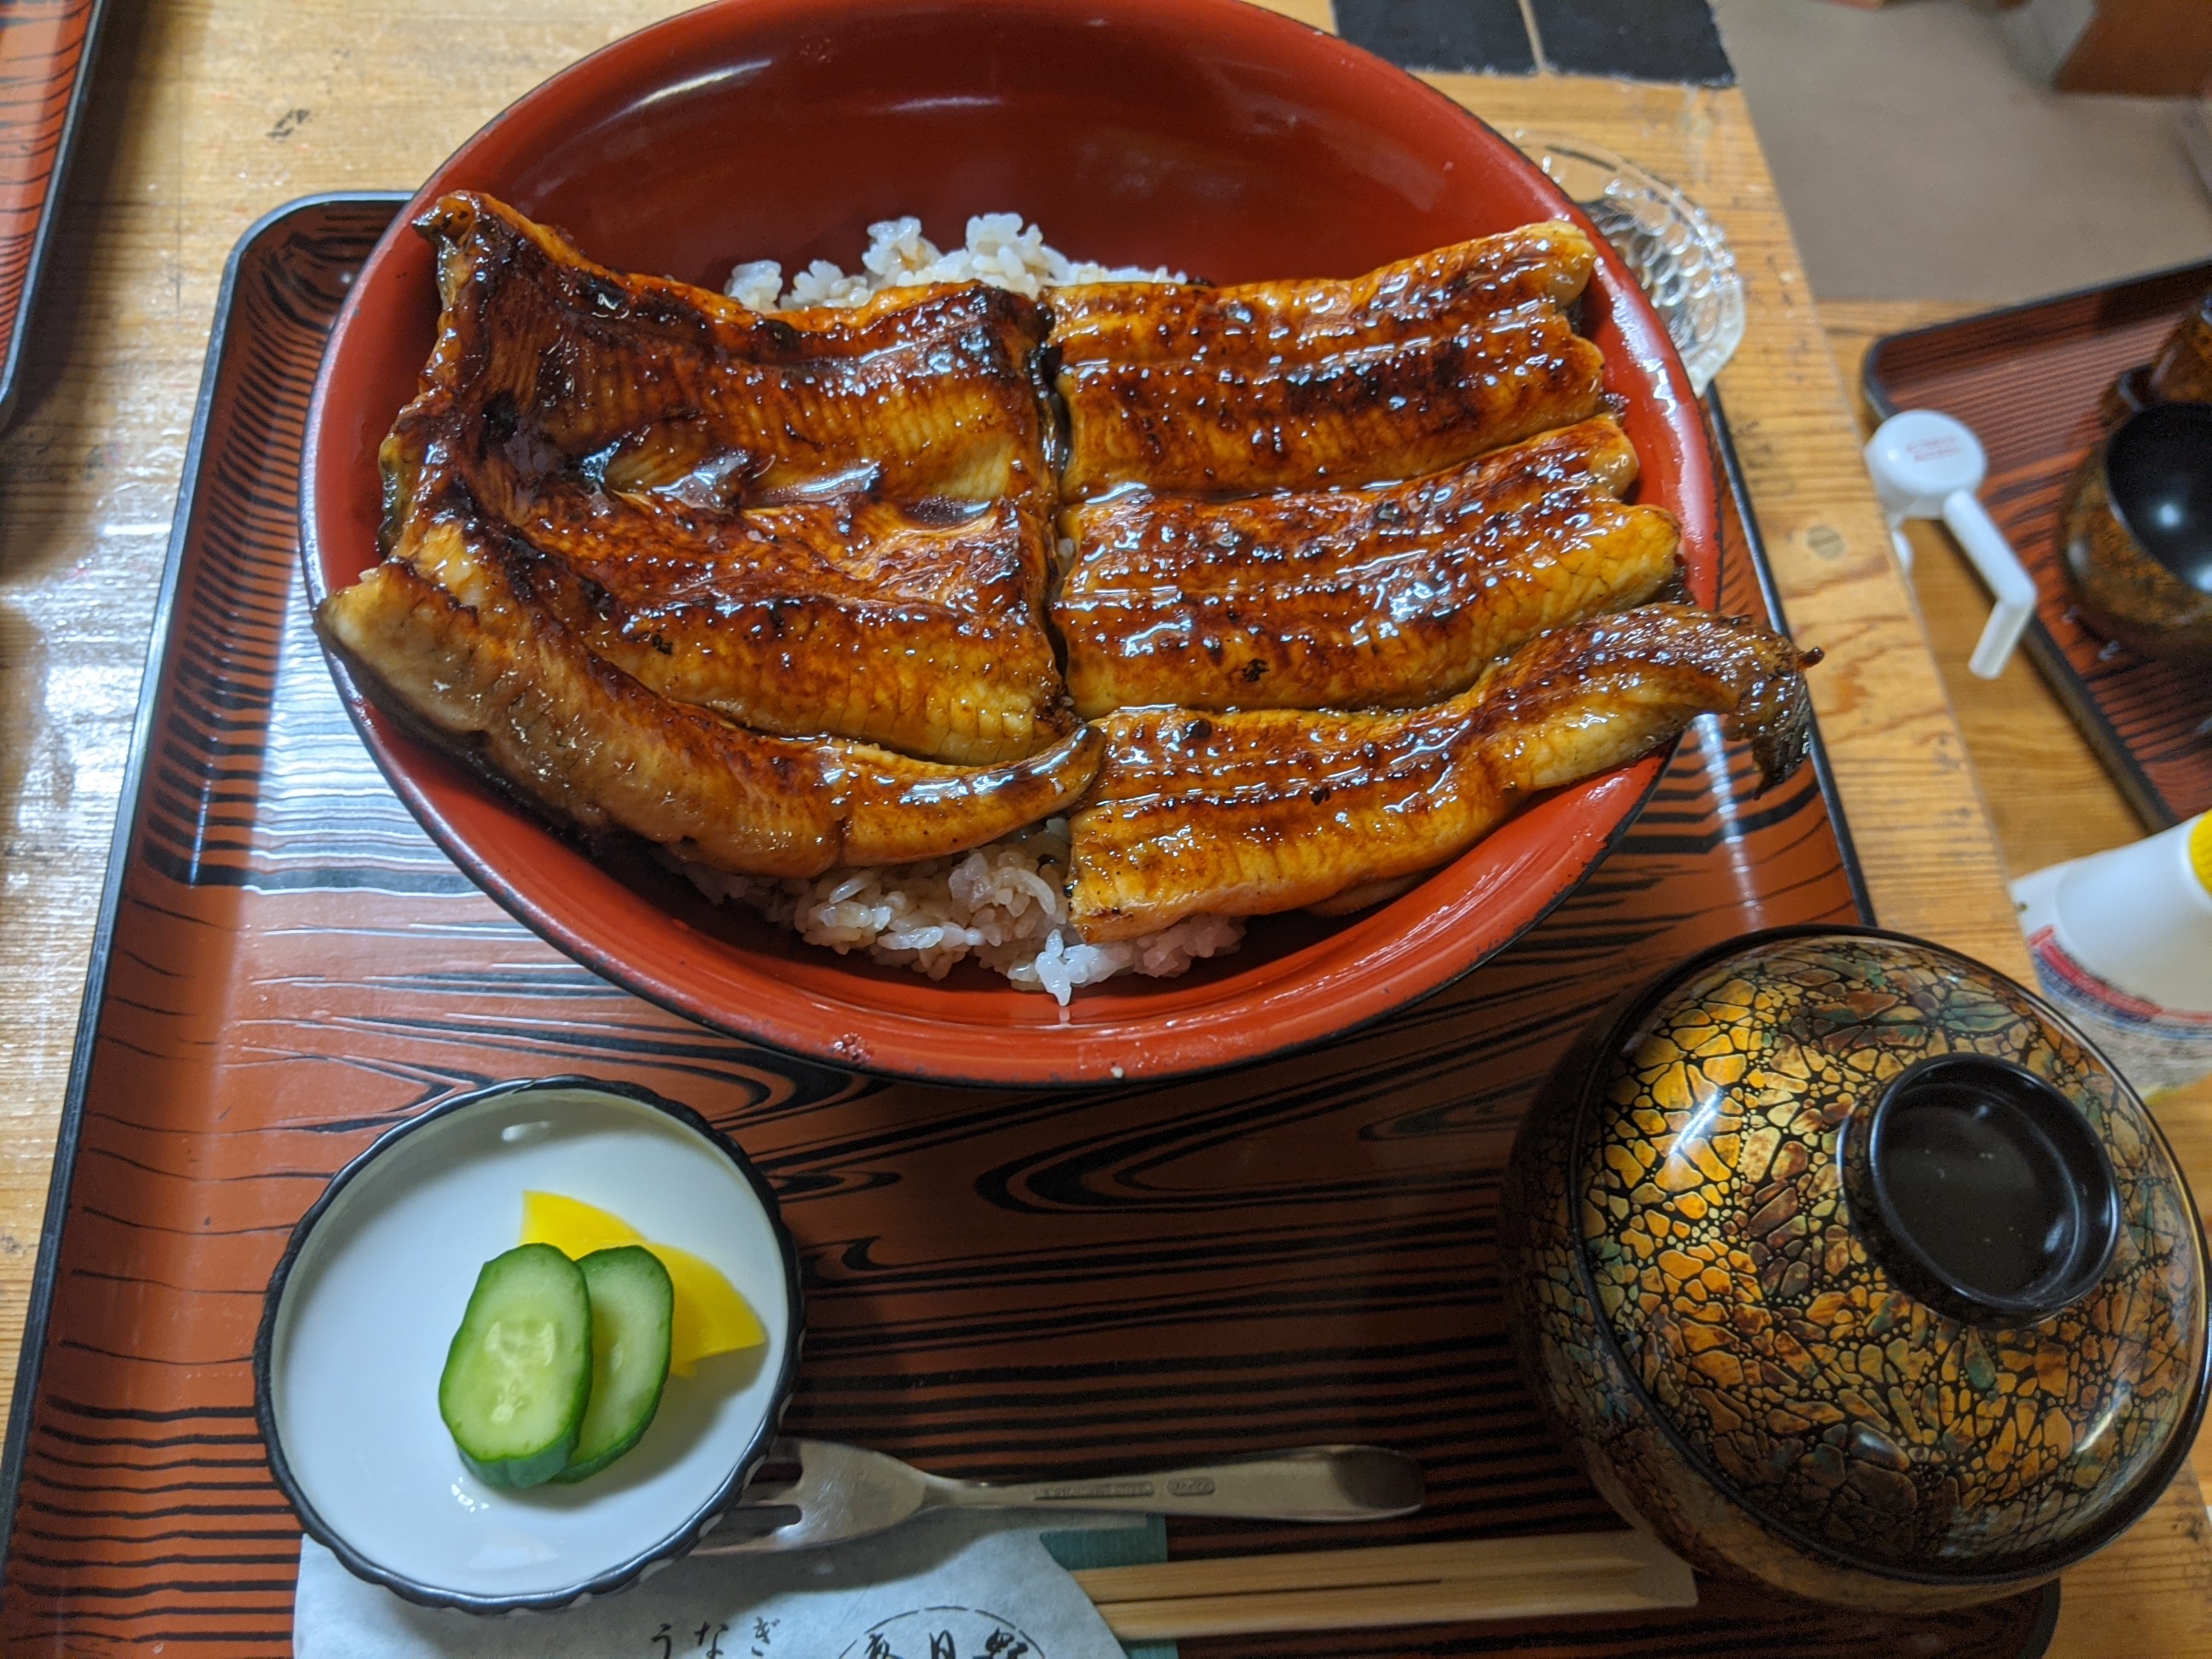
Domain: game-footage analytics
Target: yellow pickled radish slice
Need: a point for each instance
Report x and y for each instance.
(710, 1316)
(572, 1226)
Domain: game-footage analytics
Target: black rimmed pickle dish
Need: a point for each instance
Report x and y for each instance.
(363, 1308)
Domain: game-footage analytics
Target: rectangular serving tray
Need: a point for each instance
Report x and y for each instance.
(46, 52)
(999, 1285)
(2028, 379)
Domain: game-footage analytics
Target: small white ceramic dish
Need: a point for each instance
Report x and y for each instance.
(366, 1300)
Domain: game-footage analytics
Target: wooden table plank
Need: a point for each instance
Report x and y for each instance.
(2049, 796)
(227, 108)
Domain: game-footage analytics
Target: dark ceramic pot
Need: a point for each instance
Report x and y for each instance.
(2136, 532)
(1847, 1265)
(2182, 373)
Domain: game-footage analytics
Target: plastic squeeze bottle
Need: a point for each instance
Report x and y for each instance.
(2123, 945)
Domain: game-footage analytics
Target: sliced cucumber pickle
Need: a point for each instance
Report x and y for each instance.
(518, 1377)
(632, 1313)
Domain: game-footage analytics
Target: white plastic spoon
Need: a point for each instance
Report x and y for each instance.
(1927, 466)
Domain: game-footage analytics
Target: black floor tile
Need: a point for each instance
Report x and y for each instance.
(1643, 39)
(1441, 35)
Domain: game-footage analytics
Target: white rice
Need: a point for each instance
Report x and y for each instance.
(1004, 906)
(1000, 251)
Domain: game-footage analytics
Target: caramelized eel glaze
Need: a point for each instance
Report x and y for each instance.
(1238, 424)
(771, 590)
(921, 392)
(1248, 813)
(1353, 599)
(1298, 385)
(1303, 321)
(459, 640)
(852, 618)
(642, 442)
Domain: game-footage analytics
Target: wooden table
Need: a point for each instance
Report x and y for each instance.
(224, 108)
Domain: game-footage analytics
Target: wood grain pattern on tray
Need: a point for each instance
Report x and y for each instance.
(1297, 1252)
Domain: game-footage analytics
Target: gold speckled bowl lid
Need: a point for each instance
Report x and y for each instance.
(1900, 1261)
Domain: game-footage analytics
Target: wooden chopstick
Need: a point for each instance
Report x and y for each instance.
(1399, 1584)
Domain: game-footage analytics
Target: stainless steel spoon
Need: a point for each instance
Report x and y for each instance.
(844, 1492)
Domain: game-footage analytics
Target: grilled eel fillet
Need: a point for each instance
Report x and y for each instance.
(1409, 369)
(853, 618)
(1354, 599)
(643, 381)
(1245, 814)
(591, 419)
(459, 640)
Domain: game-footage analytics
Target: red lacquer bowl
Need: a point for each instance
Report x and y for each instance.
(1200, 134)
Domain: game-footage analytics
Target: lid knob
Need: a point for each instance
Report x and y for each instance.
(1981, 1189)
